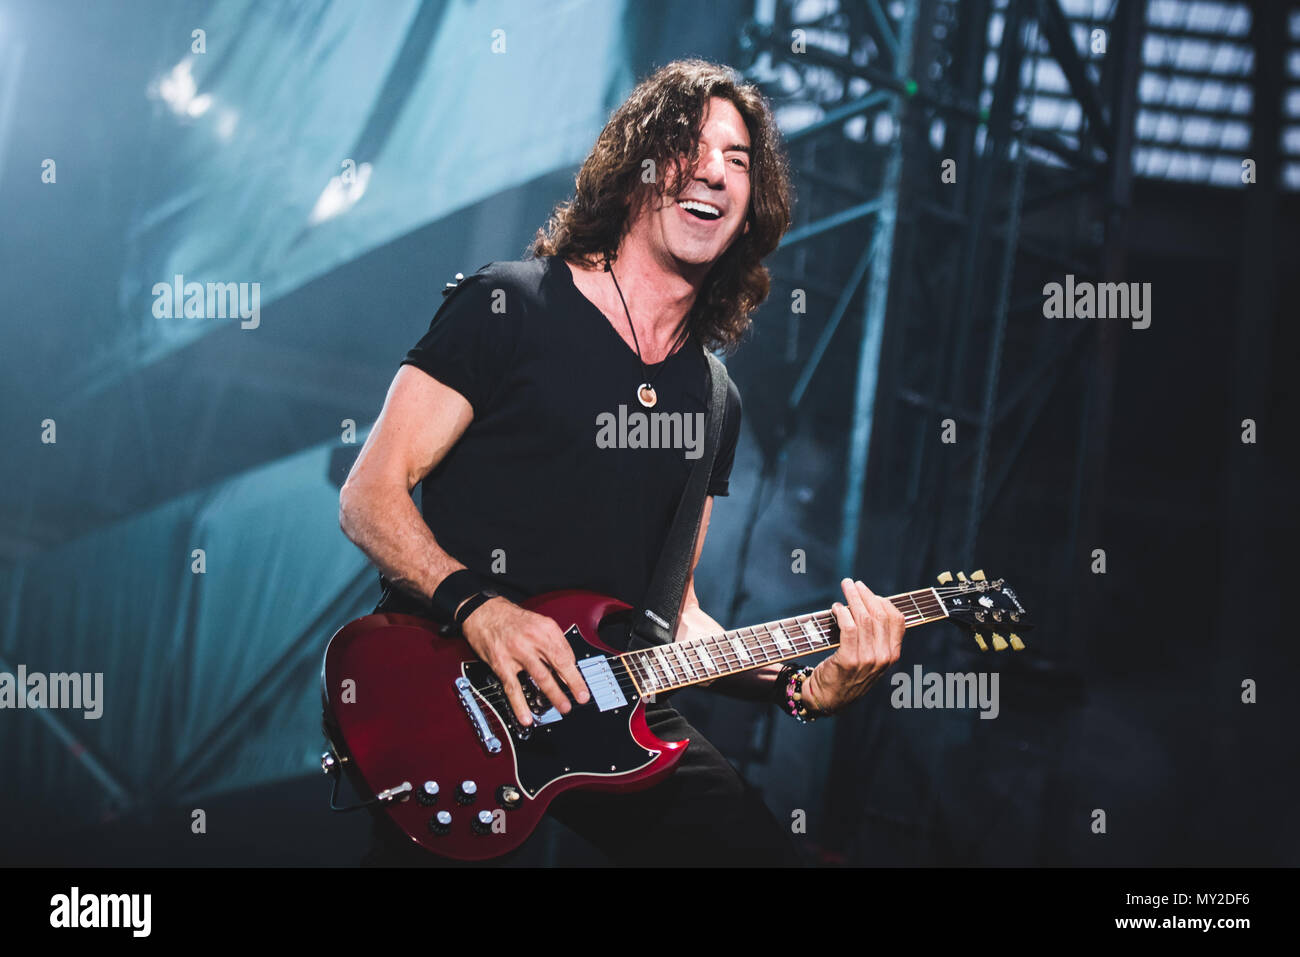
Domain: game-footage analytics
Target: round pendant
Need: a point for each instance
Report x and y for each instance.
(646, 394)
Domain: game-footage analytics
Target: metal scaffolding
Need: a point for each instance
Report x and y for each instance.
(950, 159)
(960, 190)
(938, 260)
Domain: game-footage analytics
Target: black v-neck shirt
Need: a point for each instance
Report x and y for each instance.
(528, 495)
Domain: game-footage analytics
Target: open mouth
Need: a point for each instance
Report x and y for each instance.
(704, 211)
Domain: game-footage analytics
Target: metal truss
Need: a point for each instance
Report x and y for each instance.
(934, 274)
(938, 261)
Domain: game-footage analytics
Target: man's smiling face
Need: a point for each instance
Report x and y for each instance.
(698, 226)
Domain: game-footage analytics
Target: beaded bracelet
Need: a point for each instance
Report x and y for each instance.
(794, 695)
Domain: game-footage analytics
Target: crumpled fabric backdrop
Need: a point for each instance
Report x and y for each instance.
(228, 165)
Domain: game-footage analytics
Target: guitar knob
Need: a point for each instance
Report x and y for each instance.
(979, 640)
(467, 792)
(945, 577)
(999, 643)
(428, 793)
(961, 577)
(977, 575)
(440, 823)
(483, 823)
(1016, 643)
(508, 796)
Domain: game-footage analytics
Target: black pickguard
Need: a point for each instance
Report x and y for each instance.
(584, 741)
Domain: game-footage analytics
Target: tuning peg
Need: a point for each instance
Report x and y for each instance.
(1016, 643)
(945, 578)
(999, 643)
(977, 576)
(961, 577)
(979, 640)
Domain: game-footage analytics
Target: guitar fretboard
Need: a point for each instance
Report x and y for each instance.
(684, 663)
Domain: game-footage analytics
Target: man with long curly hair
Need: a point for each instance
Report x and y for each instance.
(657, 257)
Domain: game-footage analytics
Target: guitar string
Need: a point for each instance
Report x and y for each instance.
(767, 643)
(732, 664)
(824, 622)
(767, 647)
(619, 666)
(497, 696)
(671, 662)
(722, 647)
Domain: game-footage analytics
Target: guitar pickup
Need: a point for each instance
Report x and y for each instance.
(543, 711)
(605, 691)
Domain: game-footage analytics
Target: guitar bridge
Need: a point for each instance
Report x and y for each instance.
(465, 690)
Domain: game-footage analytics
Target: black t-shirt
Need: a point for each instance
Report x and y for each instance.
(533, 494)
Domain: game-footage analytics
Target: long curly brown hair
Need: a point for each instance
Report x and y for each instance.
(661, 121)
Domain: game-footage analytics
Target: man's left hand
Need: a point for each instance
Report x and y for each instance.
(871, 638)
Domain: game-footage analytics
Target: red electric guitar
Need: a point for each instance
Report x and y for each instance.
(423, 727)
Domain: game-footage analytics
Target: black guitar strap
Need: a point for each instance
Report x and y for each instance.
(655, 621)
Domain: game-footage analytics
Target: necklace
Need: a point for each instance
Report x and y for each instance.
(645, 392)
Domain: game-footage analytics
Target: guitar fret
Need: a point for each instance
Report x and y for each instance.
(742, 652)
(661, 673)
(686, 664)
(815, 636)
(708, 656)
(666, 665)
(721, 653)
(935, 603)
(912, 597)
(782, 642)
(648, 680)
(747, 644)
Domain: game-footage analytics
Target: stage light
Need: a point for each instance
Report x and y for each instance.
(340, 194)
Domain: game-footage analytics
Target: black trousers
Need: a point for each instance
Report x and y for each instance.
(703, 815)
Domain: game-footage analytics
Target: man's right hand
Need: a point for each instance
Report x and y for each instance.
(511, 639)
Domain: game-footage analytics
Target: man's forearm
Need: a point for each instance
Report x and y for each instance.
(388, 528)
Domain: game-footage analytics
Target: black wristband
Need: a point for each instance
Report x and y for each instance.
(454, 628)
(467, 609)
(452, 591)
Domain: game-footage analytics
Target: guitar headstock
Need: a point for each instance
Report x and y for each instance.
(989, 608)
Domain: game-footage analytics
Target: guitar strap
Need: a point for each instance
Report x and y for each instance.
(655, 621)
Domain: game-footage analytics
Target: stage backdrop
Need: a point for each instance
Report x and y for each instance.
(179, 534)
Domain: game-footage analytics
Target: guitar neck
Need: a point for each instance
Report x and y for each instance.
(685, 663)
